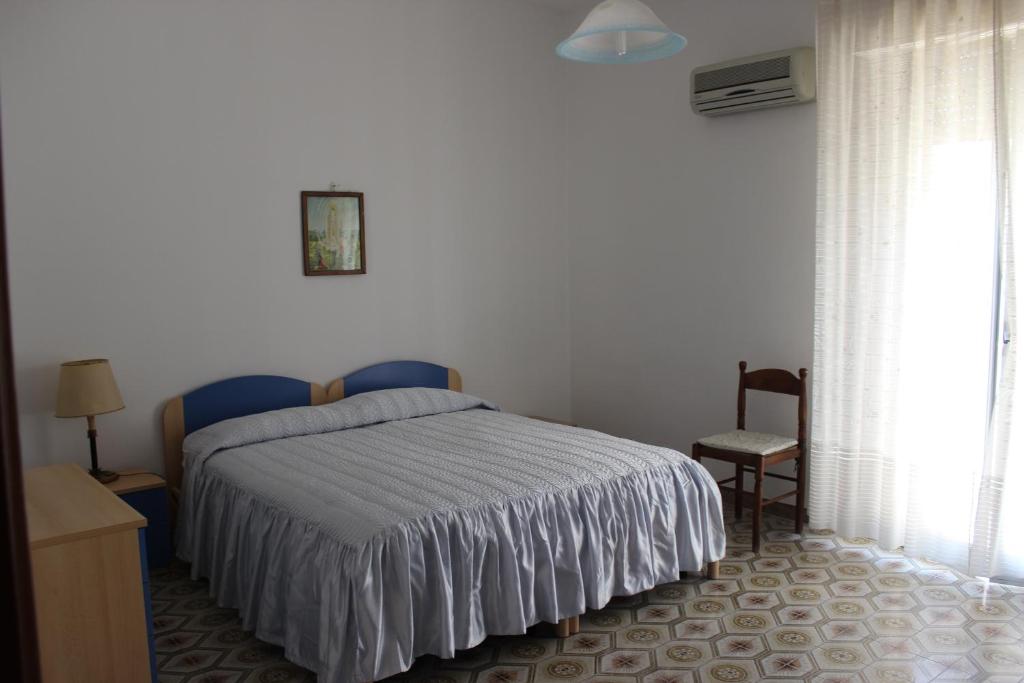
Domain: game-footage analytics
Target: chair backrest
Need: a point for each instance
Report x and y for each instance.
(777, 382)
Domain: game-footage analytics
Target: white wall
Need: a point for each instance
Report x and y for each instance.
(136, 130)
(692, 238)
(154, 153)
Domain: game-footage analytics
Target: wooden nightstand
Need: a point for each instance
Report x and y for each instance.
(147, 493)
(90, 580)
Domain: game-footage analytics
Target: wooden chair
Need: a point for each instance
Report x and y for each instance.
(752, 452)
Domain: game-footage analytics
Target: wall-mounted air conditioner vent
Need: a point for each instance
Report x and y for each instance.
(774, 79)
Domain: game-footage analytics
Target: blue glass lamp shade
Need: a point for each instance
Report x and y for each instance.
(621, 32)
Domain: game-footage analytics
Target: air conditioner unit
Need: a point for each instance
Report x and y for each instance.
(773, 79)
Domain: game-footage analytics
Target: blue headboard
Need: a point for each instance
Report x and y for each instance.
(224, 400)
(252, 394)
(395, 375)
(240, 396)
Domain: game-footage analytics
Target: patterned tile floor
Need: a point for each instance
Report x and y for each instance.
(816, 608)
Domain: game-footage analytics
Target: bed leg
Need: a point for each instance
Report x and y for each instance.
(563, 628)
(574, 625)
(712, 570)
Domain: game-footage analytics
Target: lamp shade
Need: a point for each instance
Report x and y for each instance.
(621, 32)
(87, 387)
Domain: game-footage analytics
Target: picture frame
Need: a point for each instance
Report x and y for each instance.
(333, 233)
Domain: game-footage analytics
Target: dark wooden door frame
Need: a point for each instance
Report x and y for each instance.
(17, 613)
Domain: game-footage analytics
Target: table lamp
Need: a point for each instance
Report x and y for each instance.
(87, 389)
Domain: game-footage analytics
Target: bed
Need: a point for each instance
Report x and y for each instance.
(391, 516)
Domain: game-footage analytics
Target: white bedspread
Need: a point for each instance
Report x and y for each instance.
(364, 533)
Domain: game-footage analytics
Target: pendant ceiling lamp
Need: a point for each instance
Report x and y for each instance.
(621, 32)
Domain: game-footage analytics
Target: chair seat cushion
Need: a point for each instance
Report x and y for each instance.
(743, 441)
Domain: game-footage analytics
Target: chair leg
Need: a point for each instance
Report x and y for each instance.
(738, 503)
(801, 491)
(758, 502)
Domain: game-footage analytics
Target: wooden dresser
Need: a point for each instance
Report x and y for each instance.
(90, 579)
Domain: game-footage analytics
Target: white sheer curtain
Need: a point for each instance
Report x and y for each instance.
(912, 437)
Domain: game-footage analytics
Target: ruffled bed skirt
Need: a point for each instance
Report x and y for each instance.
(444, 583)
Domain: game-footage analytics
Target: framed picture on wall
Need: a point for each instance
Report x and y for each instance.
(333, 233)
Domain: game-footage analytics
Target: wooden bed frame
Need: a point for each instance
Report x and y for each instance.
(250, 394)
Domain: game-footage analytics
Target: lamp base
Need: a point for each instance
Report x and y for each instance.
(104, 476)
